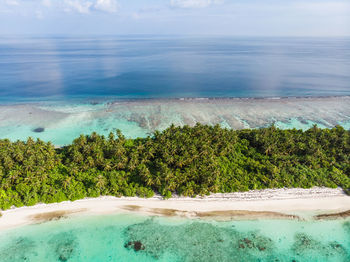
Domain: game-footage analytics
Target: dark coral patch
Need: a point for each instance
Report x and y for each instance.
(199, 242)
(136, 245)
(255, 242)
(64, 245)
(305, 245)
(39, 130)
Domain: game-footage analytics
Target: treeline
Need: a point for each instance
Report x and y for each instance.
(184, 160)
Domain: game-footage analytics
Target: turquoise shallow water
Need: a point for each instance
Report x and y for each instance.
(126, 237)
(63, 121)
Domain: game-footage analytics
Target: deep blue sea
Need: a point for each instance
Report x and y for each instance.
(143, 67)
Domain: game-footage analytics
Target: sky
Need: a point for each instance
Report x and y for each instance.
(176, 17)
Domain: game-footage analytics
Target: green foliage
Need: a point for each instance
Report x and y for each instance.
(167, 195)
(185, 160)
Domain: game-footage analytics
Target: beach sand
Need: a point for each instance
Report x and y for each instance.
(314, 203)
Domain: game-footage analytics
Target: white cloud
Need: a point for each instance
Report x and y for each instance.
(73, 6)
(79, 6)
(193, 3)
(7, 6)
(86, 6)
(110, 6)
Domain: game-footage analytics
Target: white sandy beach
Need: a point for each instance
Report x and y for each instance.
(265, 203)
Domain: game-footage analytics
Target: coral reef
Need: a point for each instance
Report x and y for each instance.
(20, 249)
(64, 245)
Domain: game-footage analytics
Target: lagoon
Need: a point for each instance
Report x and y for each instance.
(131, 237)
(62, 121)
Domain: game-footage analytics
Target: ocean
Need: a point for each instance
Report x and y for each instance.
(56, 88)
(162, 67)
(67, 86)
(129, 237)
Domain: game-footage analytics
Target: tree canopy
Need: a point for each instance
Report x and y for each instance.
(185, 160)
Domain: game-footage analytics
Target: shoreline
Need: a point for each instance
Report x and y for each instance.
(300, 204)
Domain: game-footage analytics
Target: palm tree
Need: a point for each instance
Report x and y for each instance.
(66, 182)
(101, 182)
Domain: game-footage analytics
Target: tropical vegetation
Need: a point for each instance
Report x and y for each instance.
(185, 160)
